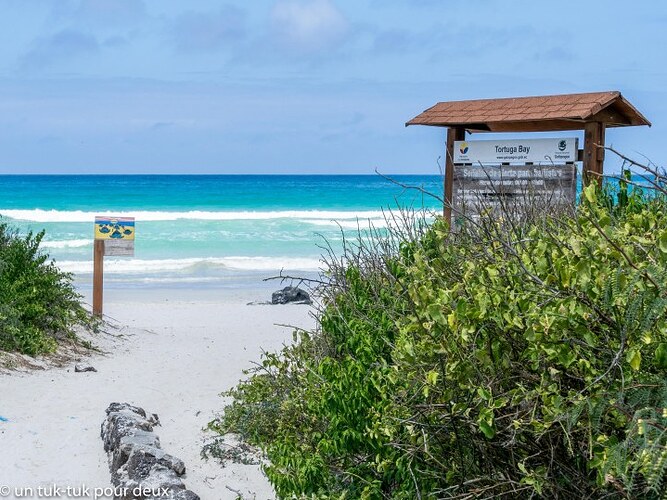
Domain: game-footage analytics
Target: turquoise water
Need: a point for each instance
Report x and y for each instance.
(199, 230)
(204, 229)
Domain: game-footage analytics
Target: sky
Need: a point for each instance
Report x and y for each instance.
(301, 86)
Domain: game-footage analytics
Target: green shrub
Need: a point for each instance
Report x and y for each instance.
(506, 359)
(38, 303)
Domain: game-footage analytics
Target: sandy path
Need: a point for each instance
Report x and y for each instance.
(184, 348)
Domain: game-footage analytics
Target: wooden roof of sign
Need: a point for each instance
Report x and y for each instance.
(533, 114)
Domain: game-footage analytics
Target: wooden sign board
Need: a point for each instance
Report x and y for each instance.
(117, 234)
(119, 248)
(478, 188)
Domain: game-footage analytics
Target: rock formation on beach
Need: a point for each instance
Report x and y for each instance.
(140, 468)
(290, 294)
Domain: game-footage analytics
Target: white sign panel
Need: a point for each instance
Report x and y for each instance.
(119, 248)
(541, 151)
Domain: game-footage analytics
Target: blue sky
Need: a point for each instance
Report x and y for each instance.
(300, 86)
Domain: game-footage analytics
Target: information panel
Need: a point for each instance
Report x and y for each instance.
(540, 151)
(512, 187)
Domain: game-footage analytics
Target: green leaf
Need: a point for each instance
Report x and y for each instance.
(484, 393)
(584, 270)
(634, 357)
(435, 311)
(487, 429)
(661, 355)
(590, 194)
(662, 242)
(485, 422)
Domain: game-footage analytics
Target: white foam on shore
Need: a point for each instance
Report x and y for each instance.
(40, 215)
(192, 265)
(66, 243)
(349, 224)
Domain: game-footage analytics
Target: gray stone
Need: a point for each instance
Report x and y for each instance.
(185, 495)
(150, 450)
(140, 463)
(136, 459)
(290, 294)
(84, 368)
(162, 477)
(120, 424)
(173, 463)
(141, 439)
(116, 407)
(154, 419)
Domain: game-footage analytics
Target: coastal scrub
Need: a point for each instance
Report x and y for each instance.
(38, 303)
(512, 357)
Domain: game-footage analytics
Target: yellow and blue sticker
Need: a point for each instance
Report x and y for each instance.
(114, 228)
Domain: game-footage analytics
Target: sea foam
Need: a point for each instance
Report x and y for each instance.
(359, 223)
(66, 243)
(40, 215)
(193, 265)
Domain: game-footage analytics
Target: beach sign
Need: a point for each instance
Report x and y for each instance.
(114, 236)
(502, 175)
(114, 228)
(117, 234)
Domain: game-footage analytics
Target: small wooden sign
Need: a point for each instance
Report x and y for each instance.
(119, 248)
(117, 233)
(114, 228)
(114, 236)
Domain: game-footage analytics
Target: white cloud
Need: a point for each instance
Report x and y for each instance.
(208, 31)
(308, 25)
(111, 12)
(61, 46)
(99, 13)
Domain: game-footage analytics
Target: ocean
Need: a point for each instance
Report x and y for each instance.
(204, 230)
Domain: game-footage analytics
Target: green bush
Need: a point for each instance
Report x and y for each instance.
(505, 359)
(38, 303)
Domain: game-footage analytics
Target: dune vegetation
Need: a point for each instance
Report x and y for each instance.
(506, 358)
(39, 306)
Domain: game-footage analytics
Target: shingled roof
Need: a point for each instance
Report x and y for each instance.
(528, 114)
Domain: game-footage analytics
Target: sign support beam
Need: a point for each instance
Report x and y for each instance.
(98, 277)
(453, 134)
(593, 168)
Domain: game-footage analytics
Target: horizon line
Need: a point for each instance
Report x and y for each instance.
(88, 174)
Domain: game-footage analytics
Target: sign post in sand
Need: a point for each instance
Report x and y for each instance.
(114, 236)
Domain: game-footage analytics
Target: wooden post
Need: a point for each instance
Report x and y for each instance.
(98, 277)
(453, 134)
(593, 152)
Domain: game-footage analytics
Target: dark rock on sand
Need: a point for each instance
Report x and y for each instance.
(84, 368)
(290, 294)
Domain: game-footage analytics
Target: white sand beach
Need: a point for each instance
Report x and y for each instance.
(177, 351)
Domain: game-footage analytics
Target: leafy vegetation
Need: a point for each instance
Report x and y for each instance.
(38, 303)
(504, 359)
